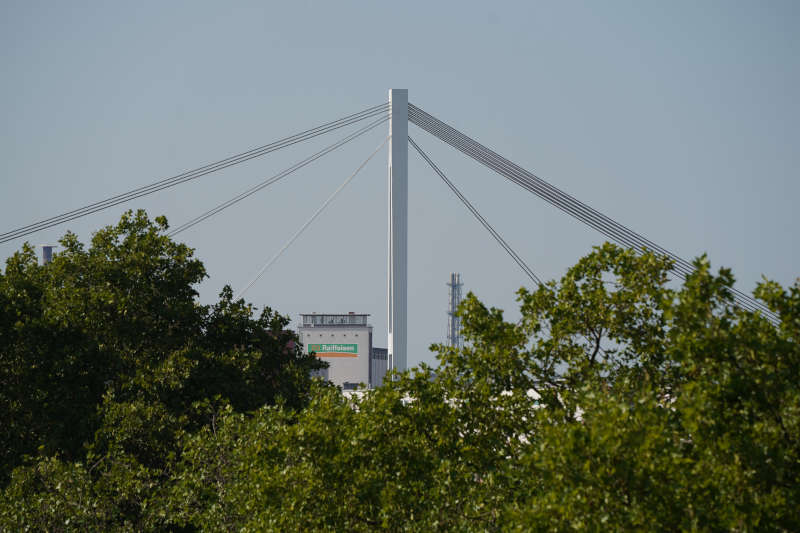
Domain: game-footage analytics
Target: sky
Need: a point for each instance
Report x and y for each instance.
(678, 119)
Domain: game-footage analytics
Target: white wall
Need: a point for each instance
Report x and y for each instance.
(342, 369)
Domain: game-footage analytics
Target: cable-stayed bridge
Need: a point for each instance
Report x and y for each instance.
(398, 112)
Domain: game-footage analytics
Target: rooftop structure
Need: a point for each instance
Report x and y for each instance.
(326, 320)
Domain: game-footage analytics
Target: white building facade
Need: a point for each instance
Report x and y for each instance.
(344, 341)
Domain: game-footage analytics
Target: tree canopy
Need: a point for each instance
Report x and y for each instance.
(620, 401)
(107, 359)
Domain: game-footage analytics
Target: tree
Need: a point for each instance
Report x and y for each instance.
(107, 358)
(619, 401)
(691, 422)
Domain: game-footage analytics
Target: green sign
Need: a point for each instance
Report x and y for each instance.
(334, 350)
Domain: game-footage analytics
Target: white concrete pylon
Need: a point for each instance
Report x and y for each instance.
(398, 229)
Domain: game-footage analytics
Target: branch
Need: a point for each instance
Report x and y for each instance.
(598, 338)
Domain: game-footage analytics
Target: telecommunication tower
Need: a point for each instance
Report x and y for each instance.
(453, 321)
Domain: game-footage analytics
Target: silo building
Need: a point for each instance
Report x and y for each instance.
(344, 341)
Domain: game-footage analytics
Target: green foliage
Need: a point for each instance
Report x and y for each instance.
(619, 401)
(107, 360)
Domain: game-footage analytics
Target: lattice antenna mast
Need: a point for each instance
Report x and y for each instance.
(453, 321)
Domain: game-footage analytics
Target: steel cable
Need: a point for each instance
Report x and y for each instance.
(561, 200)
(542, 187)
(515, 177)
(192, 174)
(310, 220)
(503, 244)
(241, 196)
(680, 266)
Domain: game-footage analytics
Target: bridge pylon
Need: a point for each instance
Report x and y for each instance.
(398, 230)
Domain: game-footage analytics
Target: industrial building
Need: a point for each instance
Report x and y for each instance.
(344, 341)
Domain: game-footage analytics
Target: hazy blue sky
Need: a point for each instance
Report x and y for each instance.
(678, 119)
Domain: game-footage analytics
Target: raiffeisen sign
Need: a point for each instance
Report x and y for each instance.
(344, 342)
(334, 350)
